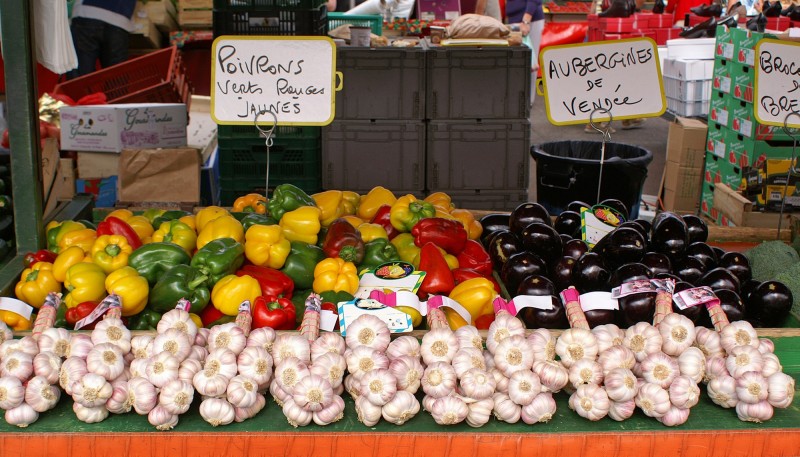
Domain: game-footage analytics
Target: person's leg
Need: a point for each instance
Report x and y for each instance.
(87, 38)
(368, 7)
(535, 40)
(115, 46)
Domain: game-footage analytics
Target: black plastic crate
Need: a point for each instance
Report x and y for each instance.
(478, 83)
(271, 20)
(468, 155)
(364, 154)
(494, 200)
(381, 83)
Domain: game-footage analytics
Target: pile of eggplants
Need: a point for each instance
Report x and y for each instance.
(537, 255)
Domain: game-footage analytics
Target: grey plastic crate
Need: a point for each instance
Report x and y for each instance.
(478, 83)
(365, 154)
(494, 200)
(467, 155)
(381, 83)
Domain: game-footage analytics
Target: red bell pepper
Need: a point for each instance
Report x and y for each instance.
(438, 278)
(73, 315)
(462, 274)
(272, 281)
(475, 257)
(484, 322)
(211, 316)
(113, 225)
(381, 218)
(42, 255)
(344, 241)
(448, 234)
(273, 312)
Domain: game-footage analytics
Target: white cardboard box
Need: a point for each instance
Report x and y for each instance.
(112, 128)
(688, 69)
(696, 48)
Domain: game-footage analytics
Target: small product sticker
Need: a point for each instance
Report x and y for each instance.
(693, 297)
(633, 287)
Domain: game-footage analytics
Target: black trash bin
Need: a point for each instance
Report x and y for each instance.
(569, 170)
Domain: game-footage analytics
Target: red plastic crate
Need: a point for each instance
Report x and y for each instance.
(780, 23)
(660, 21)
(617, 24)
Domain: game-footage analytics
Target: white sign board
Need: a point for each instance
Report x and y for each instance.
(623, 77)
(293, 77)
(777, 85)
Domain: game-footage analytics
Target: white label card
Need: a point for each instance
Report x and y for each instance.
(16, 306)
(598, 300)
(777, 84)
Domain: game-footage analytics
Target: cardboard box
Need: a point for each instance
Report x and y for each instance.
(97, 165)
(682, 187)
(112, 128)
(688, 70)
(697, 48)
(160, 175)
(686, 142)
(202, 130)
(160, 12)
(738, 210)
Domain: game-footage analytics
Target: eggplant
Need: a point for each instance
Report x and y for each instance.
(526, 214)
(669, 235)
(567, 223)
(720, 252)
(555, 318)
(542, 240)
(704, 253)
(629, 272)
(638, 227)
(617, 205)
(730, 302)
(595, 317)
(689, 269)
(590, 273)
(736, 263)
(620, 246)
(519, 266)
(646, 225)
(536, 285)
(565, 238)
(769, 304)
(697, 228)
(667, 276)
(503, 245)
(575, 248)
(657, 262)
(694, 313)
(577, 205)
(492, 223)
(561, 273)
(720, 278)
(746, 287)
(636, 308)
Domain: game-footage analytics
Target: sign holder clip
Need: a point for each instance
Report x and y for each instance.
(605, 131)
(267, 135)
(793, 168)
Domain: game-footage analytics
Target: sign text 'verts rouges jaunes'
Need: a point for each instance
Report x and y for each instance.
(777, 83)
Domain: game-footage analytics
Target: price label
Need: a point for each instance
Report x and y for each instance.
(777, 83)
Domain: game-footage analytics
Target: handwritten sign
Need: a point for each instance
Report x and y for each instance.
(293, 77)
(623, 77)
(777, 84)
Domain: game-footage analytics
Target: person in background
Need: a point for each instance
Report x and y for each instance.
(680, 8)
(399, 8)
(752, 7)
(100, 30)
(489, 8)
(528, 15)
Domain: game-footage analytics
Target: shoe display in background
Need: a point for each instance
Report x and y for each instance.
(658, 7)
(771, 9)
(630, 124)
(706, 10)
(618, 8)
(758, 23)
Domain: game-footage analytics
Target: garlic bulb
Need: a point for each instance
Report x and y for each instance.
(331, 367)
(621, 410)
(754, 412)
(162, 369)
(330, 342)
(363, 359)
(742, 359)
(174, 342)
(408, 373)
(427, 402)
(264, 337)
(289, 372)
(54, 340)
(142, 346)
(79, 345)
(620, 384)
(403, 346)
(659, 368)
(770, 365)
(643, 339)
(12, 392)
(242, 414)
(118, 402)
(188, 369)
(608, 335)
(379, 386)
(449, 410)
(653, 400)
(675, 416)
(488, 359)
(162, 419)
(72, 370)
(543, 345)
(575, 344)
(552, 375)
(523, 387)
(480, 412)
(255, 363)
(368, 330)
(692, 363)
(242, 391)
(438, 380)
(479, 385)
(466, 359)
(112, 330)
(223, 361)
(180, 320)
(18, 364)
(91, 390)
(291, 345)
(401, 408)
(25, 344)
(41, 395)
(438, 345)
(228, 336)
(616, 356)
(198, 353)
(201, 339)
(331, 413)
(138, 367)
(683, 392)
(503, 326)
(586, 371)
(209, 382)
(369, 413)
(90, 414)
(677, 334)
(21, 416)
(590, 401)
(468, 336)
(312, 393)
(715, 367)
(278, 394)
(106, 360)
(48, 365)
(500, 380)
(751, 387)
(765, 346)
(216, 411)
(5, 332)
(505, 409)
(708, 341)
(722, 391)
(781, 390)
(513, 354)
(739, 333)
(176, 396)
(541, 409)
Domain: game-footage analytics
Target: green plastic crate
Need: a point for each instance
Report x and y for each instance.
(374, 21)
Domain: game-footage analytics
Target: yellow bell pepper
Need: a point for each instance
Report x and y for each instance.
(374, 199)
(14, 321)
(350, 201)
(208, 214)
(84, 282)
(442, 200)
(355, 221)
(230, 291)
(454, 320)
(111, 252)
(416, 317)
(142, 227)
(132, 289)
(67, 258)
(302, 224)
(335, 274)
(84, 238)
(35, 283)
(406, 249)
(190, 220)
(452, 261)
(474, 228)
(331, 204)
(266, 246)
(371, 232)
(57, 230)
(121, 213)
(250, 203)
(196, 319)
(476, 295)
(225, 226)
(176, 232)
(408, 210)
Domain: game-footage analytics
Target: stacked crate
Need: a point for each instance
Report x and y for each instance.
(687, 86)
(658, 27)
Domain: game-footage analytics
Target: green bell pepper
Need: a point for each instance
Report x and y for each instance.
(153, 259)
(336, 297)
(61, 317)
(287, 197)
(300, 263)
(89, 224)
(152, 213)
(180, 281)
(219, 258)
(167, 216)
(250, 219)
(146, 320)
(377, 252)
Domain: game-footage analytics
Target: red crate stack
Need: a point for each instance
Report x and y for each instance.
(657, 27)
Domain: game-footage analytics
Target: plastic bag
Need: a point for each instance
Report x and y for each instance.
(54, 48)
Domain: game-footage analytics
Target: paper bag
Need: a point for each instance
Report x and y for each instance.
(159, 175)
